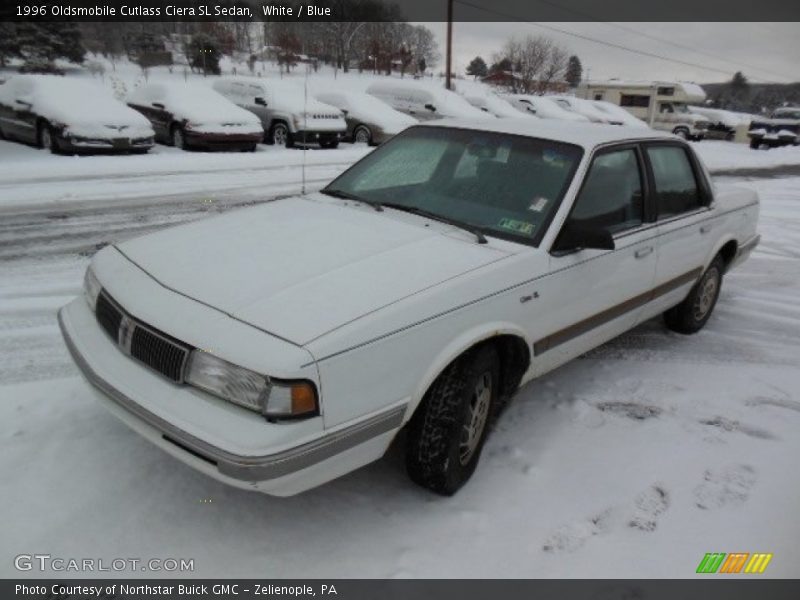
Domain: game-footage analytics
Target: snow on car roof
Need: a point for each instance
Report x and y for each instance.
(586, 135)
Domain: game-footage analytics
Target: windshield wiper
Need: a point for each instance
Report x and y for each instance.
(348, 196)
(424, 213)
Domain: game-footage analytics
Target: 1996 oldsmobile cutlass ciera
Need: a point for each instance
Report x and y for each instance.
(280, 346)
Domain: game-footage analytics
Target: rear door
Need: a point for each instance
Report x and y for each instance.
(594, 295)
(681, 197)
(19, 121)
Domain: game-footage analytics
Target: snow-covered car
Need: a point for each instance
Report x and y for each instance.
(722, 124)
(63, 114)
(493, 104)
(544, 108)
(283, 345)
(193, 116)
(369, 121)
(424, 101)
(288, 114)
(618, 114)
(585, 108)
(781, 129)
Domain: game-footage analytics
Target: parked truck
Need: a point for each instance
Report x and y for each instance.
(661, 104)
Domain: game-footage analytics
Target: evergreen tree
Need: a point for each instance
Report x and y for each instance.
(41, 44)
(501, 65)
(204, 54)
(477, 68)
(574, 71)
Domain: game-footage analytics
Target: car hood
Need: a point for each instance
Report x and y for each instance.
(302, 267)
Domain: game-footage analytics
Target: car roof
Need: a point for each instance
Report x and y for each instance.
(586, 135)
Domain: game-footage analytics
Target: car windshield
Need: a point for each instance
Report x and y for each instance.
(503, 185)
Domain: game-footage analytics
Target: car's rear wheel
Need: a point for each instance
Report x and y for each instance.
(755, 144)
(681, 132)
(691, 315)
(362, 135)
(280, 135)
(448, 430)
(178, 137)
(46, 137)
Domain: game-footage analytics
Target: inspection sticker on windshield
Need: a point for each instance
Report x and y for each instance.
(522, 227)
(538, 204)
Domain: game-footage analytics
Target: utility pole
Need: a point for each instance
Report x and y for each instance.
(449, 60)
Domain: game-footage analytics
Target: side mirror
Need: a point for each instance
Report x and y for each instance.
(260, 101)
(576, 235)
(430, 107)
(158, 105)
(22, 102)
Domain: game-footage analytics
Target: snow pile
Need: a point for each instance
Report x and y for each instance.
(618, 113)
(727, 156)
(88, 110)
(581, 107)
(367, 109)
(202, 108)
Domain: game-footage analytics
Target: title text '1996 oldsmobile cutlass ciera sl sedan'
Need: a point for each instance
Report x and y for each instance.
(280, 346)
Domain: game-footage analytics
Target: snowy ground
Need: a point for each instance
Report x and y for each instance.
(633, 461)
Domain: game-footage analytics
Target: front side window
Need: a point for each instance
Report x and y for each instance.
(504, 185)
(676, 187)
(611, 197)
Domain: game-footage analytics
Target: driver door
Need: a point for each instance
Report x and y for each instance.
(593, 295)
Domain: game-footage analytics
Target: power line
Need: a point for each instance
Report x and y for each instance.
(666, 41)
(595, 40)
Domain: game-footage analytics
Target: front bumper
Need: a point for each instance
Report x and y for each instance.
(223, 141)
(311, 136)
(294, 465)
(110, 145)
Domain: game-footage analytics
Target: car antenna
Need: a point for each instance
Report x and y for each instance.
(305, 128)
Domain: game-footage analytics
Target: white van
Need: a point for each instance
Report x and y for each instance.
(424, 102)
(288, 114)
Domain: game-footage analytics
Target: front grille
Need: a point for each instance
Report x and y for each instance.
(155, 349)
(109, 316)
(158, 353)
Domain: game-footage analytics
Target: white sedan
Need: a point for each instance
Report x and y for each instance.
(283, 345)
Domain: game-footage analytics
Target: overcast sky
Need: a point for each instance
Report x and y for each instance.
(762, 51)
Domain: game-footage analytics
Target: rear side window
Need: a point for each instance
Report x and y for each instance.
(676, 186)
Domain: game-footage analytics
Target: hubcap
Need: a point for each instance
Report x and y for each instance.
(279, 135)
(476, 419)
(362, 136)
(706, 295)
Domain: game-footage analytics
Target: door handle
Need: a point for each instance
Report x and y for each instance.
(705, 228)
(642, 252)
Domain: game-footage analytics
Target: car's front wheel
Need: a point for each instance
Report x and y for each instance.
(178, 137)
(362, 135)
(447, 432)
(46, 138)
(693, 313)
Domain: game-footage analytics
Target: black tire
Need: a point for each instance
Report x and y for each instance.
(691, 315)
(438, 456)
(177, 137)
(362, 135)
(681, 132)
(280, 135)
(755, 144)
(46, 137)
(2, 135)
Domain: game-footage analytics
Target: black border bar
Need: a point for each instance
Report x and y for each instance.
(410, 10)
(708, 587)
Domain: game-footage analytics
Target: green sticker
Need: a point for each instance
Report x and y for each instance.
(522, 227)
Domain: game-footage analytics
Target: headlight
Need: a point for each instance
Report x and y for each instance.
(273, 399)
(91, 288)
